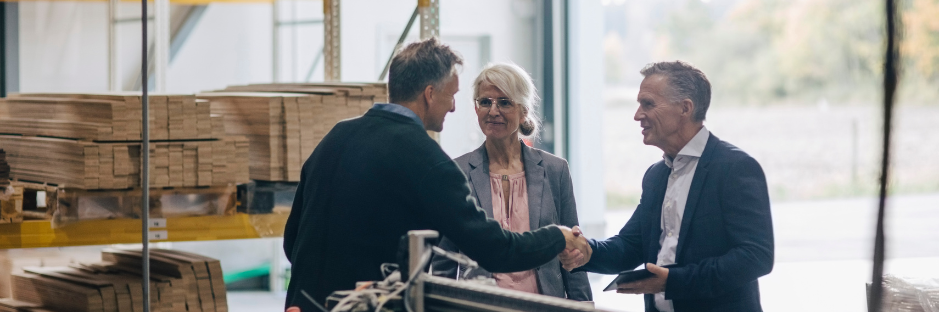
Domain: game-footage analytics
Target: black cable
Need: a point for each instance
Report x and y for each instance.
(891, 75)
(308, 297)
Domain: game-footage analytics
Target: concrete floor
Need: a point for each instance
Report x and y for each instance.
(823, 257)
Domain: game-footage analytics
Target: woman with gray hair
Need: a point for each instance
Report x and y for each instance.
(519, 186)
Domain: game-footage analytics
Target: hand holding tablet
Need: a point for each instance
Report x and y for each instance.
(632, 276)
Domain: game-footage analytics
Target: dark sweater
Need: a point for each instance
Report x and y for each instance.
(370, 181)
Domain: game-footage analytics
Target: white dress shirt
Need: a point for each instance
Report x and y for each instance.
(673, 207)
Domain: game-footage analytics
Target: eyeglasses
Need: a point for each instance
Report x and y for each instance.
(505, 105)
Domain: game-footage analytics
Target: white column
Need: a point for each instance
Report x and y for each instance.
(114, 61)
(275, 41)
(585, 109)
(161, 43)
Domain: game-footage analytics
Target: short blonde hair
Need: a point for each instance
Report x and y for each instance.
(518, 86)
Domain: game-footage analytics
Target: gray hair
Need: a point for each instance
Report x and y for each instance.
(686, 82)
(517, 85)
(418, 65)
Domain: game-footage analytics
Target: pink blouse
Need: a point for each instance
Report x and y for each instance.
(513, 218)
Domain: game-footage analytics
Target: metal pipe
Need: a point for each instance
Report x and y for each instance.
(891, 75)
(145, 167)
(404, 35)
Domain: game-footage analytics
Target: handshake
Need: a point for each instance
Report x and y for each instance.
(577, 252)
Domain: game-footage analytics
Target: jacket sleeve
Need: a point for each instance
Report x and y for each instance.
(745, 209)
(576, 284)
(444, 200)
(292, 228)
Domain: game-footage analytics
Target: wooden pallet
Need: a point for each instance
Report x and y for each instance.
(82, 205)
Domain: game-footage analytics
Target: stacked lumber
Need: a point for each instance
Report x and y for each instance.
(4, 170)
(116, 165)
(14, 260)
(12, 305)
(285, 122)
(178, 282)
(107, 116)
(200, 277)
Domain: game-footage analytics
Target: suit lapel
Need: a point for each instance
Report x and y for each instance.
(534, 178)
(479, 177)
(694, 193)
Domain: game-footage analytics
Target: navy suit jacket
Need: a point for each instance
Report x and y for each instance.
(726, 237)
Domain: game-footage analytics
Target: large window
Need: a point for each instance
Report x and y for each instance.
(797, 85)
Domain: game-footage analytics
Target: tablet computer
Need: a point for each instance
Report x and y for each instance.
(632, 276)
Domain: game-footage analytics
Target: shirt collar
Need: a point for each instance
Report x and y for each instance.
(693, 148)
(400, 110)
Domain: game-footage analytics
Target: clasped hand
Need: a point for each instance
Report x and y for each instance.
(577, 252)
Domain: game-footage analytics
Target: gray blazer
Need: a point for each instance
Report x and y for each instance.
(550, 201)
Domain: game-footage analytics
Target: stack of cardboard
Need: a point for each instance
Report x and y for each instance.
(92, 141)
(116, 165)
(178, 282)
(12, 305)
(200, 277)
(4, 170)
(106, 116)
(285, 122)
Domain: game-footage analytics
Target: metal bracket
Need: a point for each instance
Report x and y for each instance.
(430, 18)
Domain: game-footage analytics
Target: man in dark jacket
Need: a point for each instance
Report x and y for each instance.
(704, 208)
(374, 178)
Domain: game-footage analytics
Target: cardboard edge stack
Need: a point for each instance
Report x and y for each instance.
(83, 143)
(285, 122)
(92, 141)
(179, 282)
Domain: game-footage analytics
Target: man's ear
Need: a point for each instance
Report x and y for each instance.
(687, 107)
(428, 94)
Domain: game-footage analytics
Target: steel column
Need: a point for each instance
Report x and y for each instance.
(331, 42)
(430, 18)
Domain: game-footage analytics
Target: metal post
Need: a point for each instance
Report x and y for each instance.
(145, 167)
(559, 63)
(331, 42)
(430, 18)
(430, 27)
(9, 48)
(891, 78)
(161, 42)
(114, 73)
(275, 44)
(417, 247)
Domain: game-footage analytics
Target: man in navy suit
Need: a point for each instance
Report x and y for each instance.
(704, 208)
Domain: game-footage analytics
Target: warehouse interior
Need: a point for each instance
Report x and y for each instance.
(796, 85)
